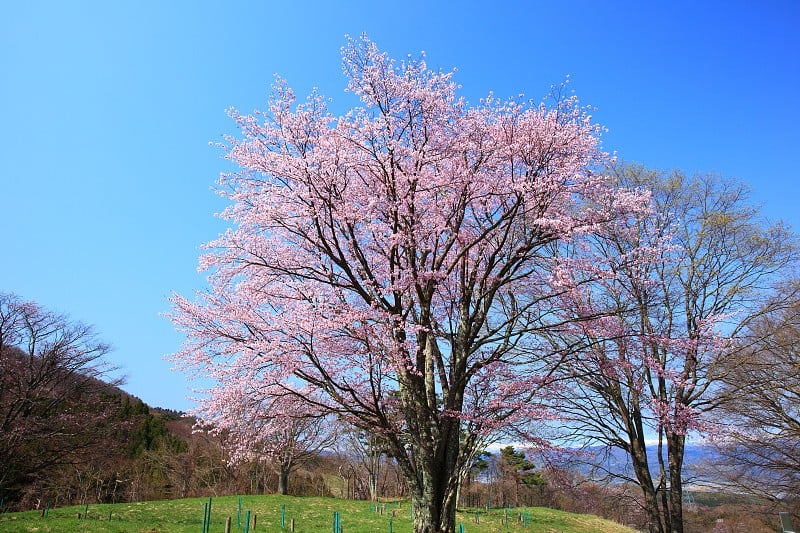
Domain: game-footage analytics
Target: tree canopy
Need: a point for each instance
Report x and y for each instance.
(392, 266)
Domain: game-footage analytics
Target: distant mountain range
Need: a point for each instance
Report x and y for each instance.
(598, 461)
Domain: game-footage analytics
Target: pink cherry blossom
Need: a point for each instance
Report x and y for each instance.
(392, 266)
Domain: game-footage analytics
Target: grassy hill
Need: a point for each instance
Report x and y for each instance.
(310, 515)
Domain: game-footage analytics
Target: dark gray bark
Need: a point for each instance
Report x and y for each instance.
(676, 454)
(284, 470)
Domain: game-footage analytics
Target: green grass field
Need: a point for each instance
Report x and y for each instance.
(311, 515)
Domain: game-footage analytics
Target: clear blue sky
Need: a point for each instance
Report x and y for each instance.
(107, 109)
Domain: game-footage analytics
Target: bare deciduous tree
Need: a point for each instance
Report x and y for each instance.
(656, 334)
(50, 366)
(762, 403)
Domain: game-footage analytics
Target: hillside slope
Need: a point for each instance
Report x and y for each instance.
(309, 514)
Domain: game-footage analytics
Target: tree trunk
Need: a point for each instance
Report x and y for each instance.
(642, 470)
(675, 455)
(434, 512)
(435, 481)
(373, 486)
(283, 479)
